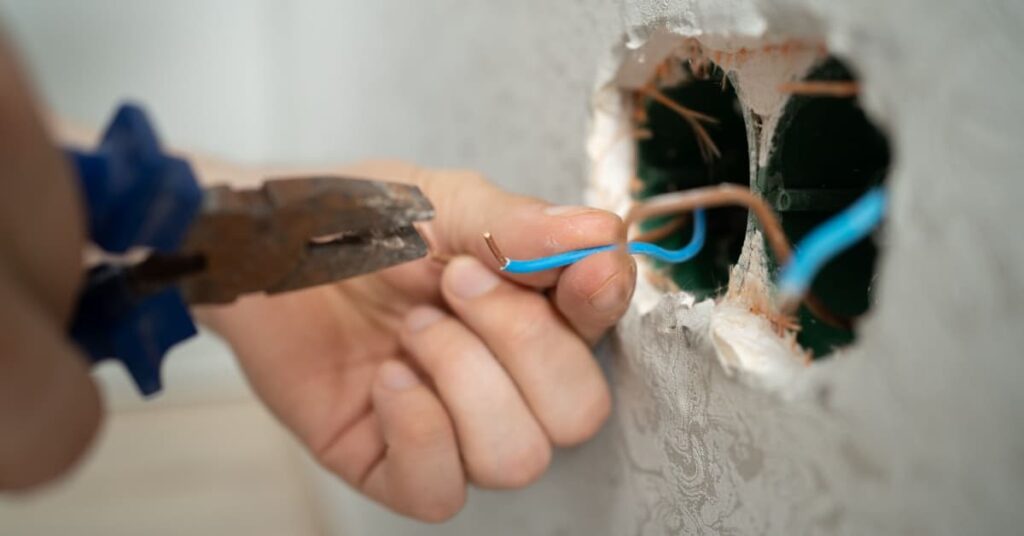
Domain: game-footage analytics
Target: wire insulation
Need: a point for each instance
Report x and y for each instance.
(829, 239)
(687, 252)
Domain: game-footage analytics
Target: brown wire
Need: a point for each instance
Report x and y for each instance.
(707, 146)
(716, 196)
(730, 194)
(822, 88)
(664, 231)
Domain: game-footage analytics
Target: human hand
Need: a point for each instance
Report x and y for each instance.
(49, 406)
(410, 381)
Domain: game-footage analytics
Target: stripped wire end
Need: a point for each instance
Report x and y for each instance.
(496, 251)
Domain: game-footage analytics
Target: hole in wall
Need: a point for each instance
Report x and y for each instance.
(826, 153)
(669, 159)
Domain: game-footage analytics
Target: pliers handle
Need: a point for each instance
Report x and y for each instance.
(137, 196)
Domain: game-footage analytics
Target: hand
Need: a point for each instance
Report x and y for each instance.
(408, 382)
(49, 406)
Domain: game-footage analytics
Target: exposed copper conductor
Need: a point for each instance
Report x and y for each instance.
(495, 250)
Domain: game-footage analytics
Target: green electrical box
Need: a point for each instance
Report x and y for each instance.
(825, 154)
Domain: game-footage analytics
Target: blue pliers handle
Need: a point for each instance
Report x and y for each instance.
(136, 196)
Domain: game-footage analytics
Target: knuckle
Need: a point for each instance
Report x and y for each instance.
(516, 467)
(594, 409)
(609, 224)
(527, 464)
(425, 432)
(529, 323)
(601, 225)
(439, 507)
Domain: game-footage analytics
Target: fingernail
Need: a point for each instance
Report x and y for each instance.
(611, 296)
(421, 318)
(470, 278)
(397, 377)
(562, 210)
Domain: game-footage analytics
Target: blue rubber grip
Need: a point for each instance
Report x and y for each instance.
(135, 196)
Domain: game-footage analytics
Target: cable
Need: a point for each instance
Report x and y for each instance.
(731, 194)
(526, 266)
(694, 200)
(827, 240)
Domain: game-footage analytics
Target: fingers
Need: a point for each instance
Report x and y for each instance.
(594, 293)
(501, 442)
(420, 474)
(553, 368)
(49, 406)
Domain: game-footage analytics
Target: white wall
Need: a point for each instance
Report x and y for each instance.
(485, 85)
(203, 69)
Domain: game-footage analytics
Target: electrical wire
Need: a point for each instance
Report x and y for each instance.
(731, 194)
(694, 200)
(674, 256)
(827, 240)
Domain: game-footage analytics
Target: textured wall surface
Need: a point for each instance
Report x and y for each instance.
(916, 428)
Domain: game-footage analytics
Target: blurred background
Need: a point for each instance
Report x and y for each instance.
(502, 87)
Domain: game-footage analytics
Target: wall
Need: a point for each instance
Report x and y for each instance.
(913, 430)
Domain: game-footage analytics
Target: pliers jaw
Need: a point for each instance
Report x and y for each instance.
(294, 233)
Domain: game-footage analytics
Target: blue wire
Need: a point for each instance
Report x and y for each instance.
(829, 239)
(683, 254)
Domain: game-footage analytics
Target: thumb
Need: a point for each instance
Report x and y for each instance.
(524, 227)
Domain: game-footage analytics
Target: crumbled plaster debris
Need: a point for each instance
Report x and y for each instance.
(747, 342)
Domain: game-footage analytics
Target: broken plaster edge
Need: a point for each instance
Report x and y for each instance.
(744, 342)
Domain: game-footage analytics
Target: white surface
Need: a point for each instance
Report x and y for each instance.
(202, 68)
(483, 85)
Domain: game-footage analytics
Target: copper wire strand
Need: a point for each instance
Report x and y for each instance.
(708, 149)
(495, 250)
(725, 195)
(434, 253)
(822, 88)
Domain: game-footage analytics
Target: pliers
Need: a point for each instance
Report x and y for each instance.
(164, 242)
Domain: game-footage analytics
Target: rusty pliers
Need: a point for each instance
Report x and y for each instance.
(167, 243)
